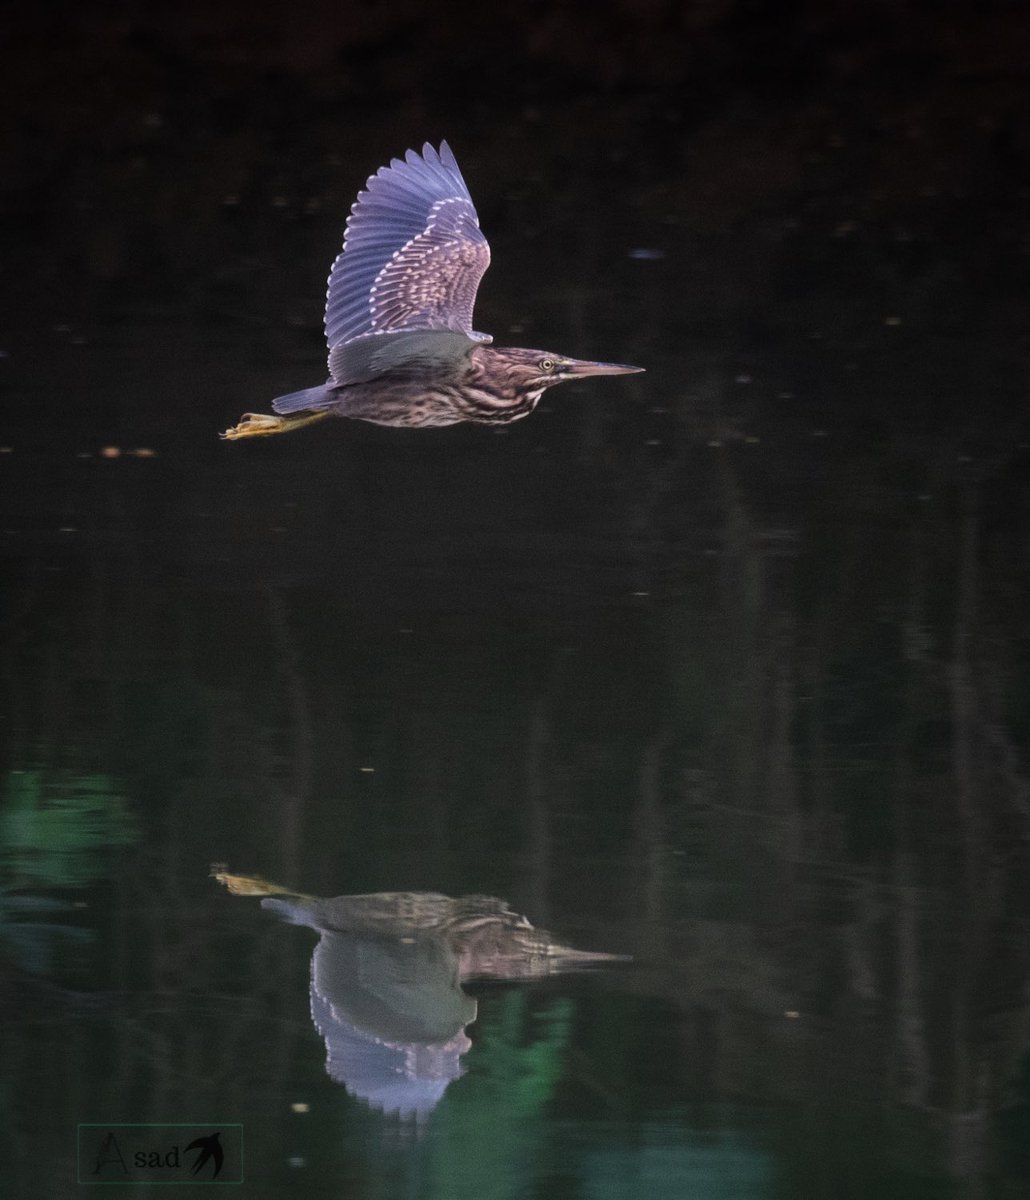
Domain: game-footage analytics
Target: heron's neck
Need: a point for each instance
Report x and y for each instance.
(494, 387)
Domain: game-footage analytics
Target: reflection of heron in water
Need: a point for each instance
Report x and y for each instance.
(386, 980)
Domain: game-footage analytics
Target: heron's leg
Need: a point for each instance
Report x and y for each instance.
(264, 424)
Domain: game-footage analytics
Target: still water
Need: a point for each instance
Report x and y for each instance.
(630, 804)
(751, 726)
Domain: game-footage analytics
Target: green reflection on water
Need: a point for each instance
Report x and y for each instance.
(490, 1125)
(664, 1159)
(56, 826)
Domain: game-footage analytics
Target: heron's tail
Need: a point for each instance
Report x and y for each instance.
(309, 400)
(298, 910)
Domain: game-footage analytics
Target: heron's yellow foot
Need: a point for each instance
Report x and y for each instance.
(264, 424)
(254, 425)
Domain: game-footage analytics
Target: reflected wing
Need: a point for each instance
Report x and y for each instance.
(393, 990)
(412, 254)
(402, 1077)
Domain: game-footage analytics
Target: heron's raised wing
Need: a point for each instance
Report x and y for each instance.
(412, 254)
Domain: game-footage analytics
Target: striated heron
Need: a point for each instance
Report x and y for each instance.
(398, 316)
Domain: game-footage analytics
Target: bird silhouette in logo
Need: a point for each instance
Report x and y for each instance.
(210, 1148)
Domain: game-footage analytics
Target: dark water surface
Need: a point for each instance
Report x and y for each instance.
(744, 713)
(725, 667)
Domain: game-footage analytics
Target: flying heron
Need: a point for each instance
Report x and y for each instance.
(398, 316)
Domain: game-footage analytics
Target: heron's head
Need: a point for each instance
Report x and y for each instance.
(527, 371)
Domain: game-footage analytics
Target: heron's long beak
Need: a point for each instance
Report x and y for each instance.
(574, 368)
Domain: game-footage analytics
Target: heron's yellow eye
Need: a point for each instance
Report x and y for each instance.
(547, 364)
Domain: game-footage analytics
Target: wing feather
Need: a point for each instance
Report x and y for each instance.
(415, 352)
(412, 257)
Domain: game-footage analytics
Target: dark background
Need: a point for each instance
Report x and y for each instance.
(807, 172)
(826, 204)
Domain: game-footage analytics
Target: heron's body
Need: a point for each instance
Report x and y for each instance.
(398, 319)
(434, 378)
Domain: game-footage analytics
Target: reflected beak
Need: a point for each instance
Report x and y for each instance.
(574, 368)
